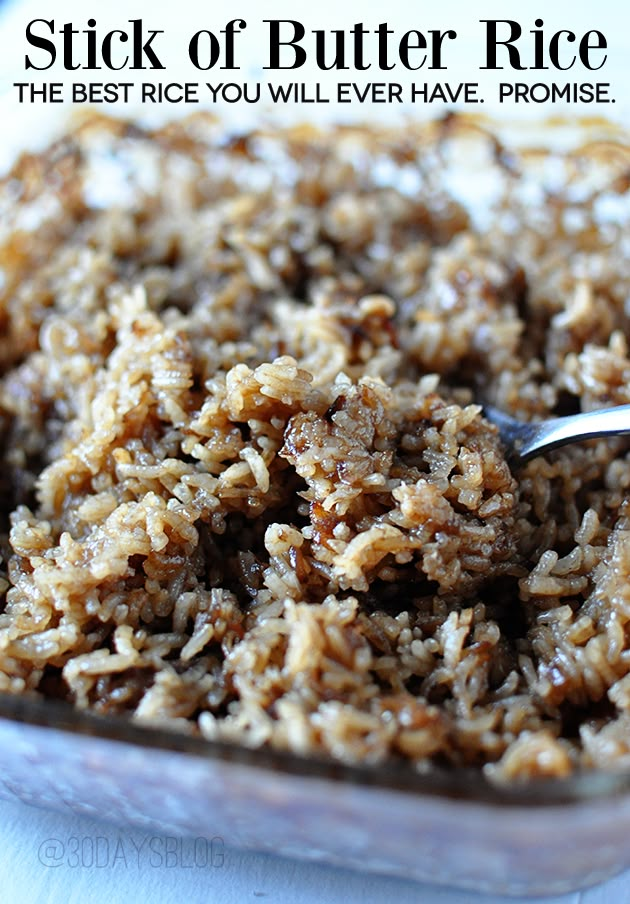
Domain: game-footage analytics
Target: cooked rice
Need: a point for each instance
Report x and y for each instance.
(248, 490)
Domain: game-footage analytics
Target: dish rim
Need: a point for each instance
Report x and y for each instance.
(462, 784)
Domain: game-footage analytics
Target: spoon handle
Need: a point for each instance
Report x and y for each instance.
(526, 440)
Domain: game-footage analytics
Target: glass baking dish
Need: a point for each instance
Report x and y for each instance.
(447, 828)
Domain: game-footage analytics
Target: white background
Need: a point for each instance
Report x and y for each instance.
(180, 19)
(23, 830)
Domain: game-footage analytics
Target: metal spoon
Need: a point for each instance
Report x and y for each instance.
(527, 440)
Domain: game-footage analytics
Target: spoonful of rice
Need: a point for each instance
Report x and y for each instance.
(527, 440)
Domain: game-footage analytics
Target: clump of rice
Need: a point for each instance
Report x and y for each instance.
(247, 488)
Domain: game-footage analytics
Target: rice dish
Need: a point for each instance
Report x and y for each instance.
(248, 491)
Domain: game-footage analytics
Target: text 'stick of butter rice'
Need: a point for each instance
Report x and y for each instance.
(246, 490)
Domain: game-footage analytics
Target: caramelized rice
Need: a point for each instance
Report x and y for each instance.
(247, 489)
